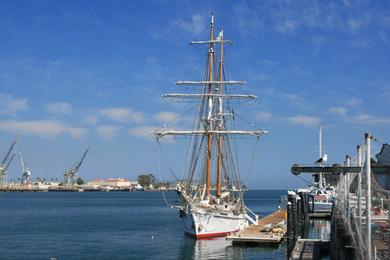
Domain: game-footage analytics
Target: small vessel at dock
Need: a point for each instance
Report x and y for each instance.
(207, 209)
(321, 194)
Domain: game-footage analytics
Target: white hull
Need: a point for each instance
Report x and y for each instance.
(202, 219)
(323, 206)
(203, 224)
(322, 203)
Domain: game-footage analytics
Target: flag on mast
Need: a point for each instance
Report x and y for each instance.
(220, 36)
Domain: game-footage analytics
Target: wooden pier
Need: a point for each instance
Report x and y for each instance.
(270, 230)
(308, 248)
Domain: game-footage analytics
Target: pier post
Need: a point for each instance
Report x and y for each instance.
(348, 190)
(359, 187)
(299, 210)
(290, 223)
(296, 217)
(292, 212)
(305, 206)
(368, 198)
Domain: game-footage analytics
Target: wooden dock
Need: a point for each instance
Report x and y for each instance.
(308, 249)
(270, 230)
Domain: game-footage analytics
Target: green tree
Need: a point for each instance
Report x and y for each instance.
(80, 181)
(146, 179)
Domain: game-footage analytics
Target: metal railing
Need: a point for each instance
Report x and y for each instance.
(254, 215)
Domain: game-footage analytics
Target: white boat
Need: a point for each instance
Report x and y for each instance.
(211, 197)
(210, 217)
(321, 194)
(322, 199)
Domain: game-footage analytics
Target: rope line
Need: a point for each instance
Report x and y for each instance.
(166, 160)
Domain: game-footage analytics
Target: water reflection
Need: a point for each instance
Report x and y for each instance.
(319, 229)
(219, 248)
(208, 249)
(312, 229)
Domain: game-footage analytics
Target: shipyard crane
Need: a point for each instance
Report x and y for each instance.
(7, 160)
(26, 176)
(70, 175)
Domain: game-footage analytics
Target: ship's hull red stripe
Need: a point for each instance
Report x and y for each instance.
(210, 235)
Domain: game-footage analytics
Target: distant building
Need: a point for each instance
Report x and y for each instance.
(95, 183)
(112, 182)
(117, 182)
(45, 184)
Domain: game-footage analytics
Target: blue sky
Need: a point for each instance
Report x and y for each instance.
(74, 73)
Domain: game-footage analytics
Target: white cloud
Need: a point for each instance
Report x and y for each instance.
(297, 70)
(386, 95)
(250, 22)
(166, 116)
(263, 116)
(304, 120)
(341, 111)
(62, 108)
(43, 128)
(10, 105)
(123, 115)
(364, 119)
(90, 120)
(354, 102)
(196, 25)
(362, 43)
(384, 21)
(294, 97)
(318, 40)
(288, 17)
(268, 63)
(108, 131)
(287, 26)
(142, 131)
(355, 24)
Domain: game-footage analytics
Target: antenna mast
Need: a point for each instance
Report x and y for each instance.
(320, 154)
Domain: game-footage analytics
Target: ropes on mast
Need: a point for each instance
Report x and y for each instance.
(214, 119)
(166, 160)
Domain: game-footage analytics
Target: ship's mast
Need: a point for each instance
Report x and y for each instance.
(210, 111)
(220, 115)
(212, 115)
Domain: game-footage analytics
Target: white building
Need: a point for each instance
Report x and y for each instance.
(112, 182)
(44, 185)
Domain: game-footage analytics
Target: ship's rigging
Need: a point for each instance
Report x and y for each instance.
(210, 149)
(211, 195)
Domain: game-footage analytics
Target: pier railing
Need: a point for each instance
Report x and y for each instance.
(360, 219)
(254, 219)
(361, 210)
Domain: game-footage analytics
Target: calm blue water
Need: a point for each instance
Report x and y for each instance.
(128, 225)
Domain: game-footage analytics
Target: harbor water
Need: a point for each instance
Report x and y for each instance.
(117, 225)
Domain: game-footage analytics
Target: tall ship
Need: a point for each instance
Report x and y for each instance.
(211, 196)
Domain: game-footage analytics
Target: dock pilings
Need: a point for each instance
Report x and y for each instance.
(297, 217)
